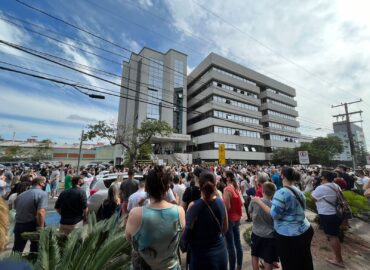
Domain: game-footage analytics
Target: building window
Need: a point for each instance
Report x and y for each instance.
(235, 117)
(155, 85)
(281, 115)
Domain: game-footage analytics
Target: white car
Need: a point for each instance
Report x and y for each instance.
(99, 191)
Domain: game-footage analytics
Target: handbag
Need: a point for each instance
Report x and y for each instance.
(342, 208)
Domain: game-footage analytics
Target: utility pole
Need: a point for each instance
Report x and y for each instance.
(79, 153)
(348, 124)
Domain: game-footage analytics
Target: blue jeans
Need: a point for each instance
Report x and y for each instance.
(234, 245)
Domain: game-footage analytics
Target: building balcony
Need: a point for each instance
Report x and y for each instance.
(210, 121)
(278, 108)
(216, 137)
(233, 155)
(280, 120)
(289, 101)
(280, 144)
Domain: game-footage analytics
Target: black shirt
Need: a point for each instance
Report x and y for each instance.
(191, 193)
(71, 203)
(349, 180)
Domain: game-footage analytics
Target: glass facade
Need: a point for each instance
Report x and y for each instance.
(155, 87)
(178, 97)
(178, 74)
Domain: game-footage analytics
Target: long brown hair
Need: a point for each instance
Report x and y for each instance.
(230, 174)
(207, 184)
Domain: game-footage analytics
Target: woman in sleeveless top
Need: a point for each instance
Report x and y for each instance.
(155, 229)
(207, 220)
(233, 205)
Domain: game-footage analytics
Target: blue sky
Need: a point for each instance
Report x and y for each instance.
(318, 47)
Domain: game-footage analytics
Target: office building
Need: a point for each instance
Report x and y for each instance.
(340, 130)
(250, 113)
(155, 84)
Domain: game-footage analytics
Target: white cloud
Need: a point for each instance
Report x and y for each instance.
(47, 108)
(327, 38)
(146, 3)
(13, 34)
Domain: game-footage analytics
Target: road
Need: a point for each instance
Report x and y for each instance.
(52, 217)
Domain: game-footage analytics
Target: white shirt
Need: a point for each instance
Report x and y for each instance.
(11, 200)
(363, 181)
(324, 193)
(179, 189)
(135, 198)
(245, 186)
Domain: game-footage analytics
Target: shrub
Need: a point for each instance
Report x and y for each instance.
(248, 235)
(310, 202)
(100, 245)
(358, 203)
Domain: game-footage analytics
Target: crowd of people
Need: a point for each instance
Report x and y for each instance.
(198, 209)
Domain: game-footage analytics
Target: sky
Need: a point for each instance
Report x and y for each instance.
(321, 48)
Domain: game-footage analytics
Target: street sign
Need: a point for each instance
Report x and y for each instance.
(303, 157)
(221, 154)
(368, 160)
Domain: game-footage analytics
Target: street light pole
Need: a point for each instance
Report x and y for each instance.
(79, 153)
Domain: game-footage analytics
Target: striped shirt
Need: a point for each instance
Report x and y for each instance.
(288, 214)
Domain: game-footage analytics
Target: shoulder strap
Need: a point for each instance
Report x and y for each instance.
(297, 197)
(214, 217)
(333, 188)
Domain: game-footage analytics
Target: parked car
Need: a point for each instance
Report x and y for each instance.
(99, 191)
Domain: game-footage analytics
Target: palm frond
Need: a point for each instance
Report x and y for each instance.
(48, 257)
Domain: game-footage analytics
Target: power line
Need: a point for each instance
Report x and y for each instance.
(76, 86)
(200, 112)
(70, 25)
(257, 115)
(206, 41)
(94, 35)
(87, 32)
(320, 78)
(106, 73)
(37, 54)
(348, 126)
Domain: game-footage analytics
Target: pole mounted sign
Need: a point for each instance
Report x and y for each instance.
(303, 157)
(221, 154)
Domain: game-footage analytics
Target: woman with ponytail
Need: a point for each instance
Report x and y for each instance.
(293, 232)
(206, 223)
(234, 206)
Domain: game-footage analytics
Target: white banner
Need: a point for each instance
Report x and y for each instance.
(303, 157)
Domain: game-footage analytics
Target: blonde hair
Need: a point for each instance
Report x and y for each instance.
(4, 224)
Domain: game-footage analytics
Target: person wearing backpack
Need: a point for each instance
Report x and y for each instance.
(325, 196)
(293, 232)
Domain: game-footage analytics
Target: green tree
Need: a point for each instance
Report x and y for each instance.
(134, 140)
(12, 153)
(321, 151)
(285, 156)
(43, 151)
